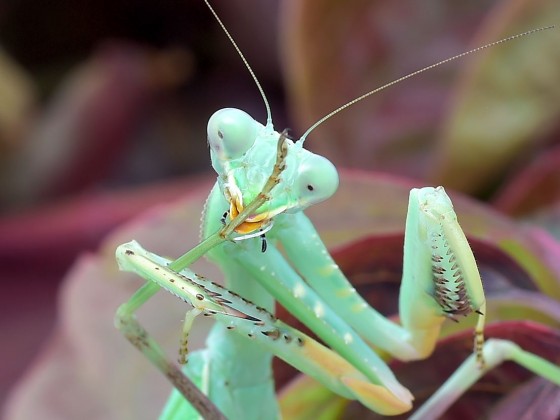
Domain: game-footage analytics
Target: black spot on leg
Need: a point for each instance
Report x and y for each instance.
(129, 252)
(274, 334)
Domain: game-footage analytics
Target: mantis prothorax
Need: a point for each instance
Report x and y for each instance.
(265, 181)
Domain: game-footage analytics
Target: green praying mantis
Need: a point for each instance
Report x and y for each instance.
(265, 182)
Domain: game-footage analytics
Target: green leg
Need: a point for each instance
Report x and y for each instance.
(127, 323)
(187, 325)
(495, 352)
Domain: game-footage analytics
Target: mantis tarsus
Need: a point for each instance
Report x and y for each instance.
(265, 181)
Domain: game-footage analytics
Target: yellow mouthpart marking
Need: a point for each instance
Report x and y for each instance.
(252, 223)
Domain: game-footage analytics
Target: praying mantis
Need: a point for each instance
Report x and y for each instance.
(265, 182)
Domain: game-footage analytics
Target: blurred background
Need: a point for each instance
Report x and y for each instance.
(103, 111)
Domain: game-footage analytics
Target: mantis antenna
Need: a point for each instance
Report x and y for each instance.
(400, 79)
(259, 87)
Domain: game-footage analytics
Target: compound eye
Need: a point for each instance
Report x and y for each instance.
(317, 180)
(231, 132)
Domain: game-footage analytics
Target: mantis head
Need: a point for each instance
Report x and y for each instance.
(244, 153)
